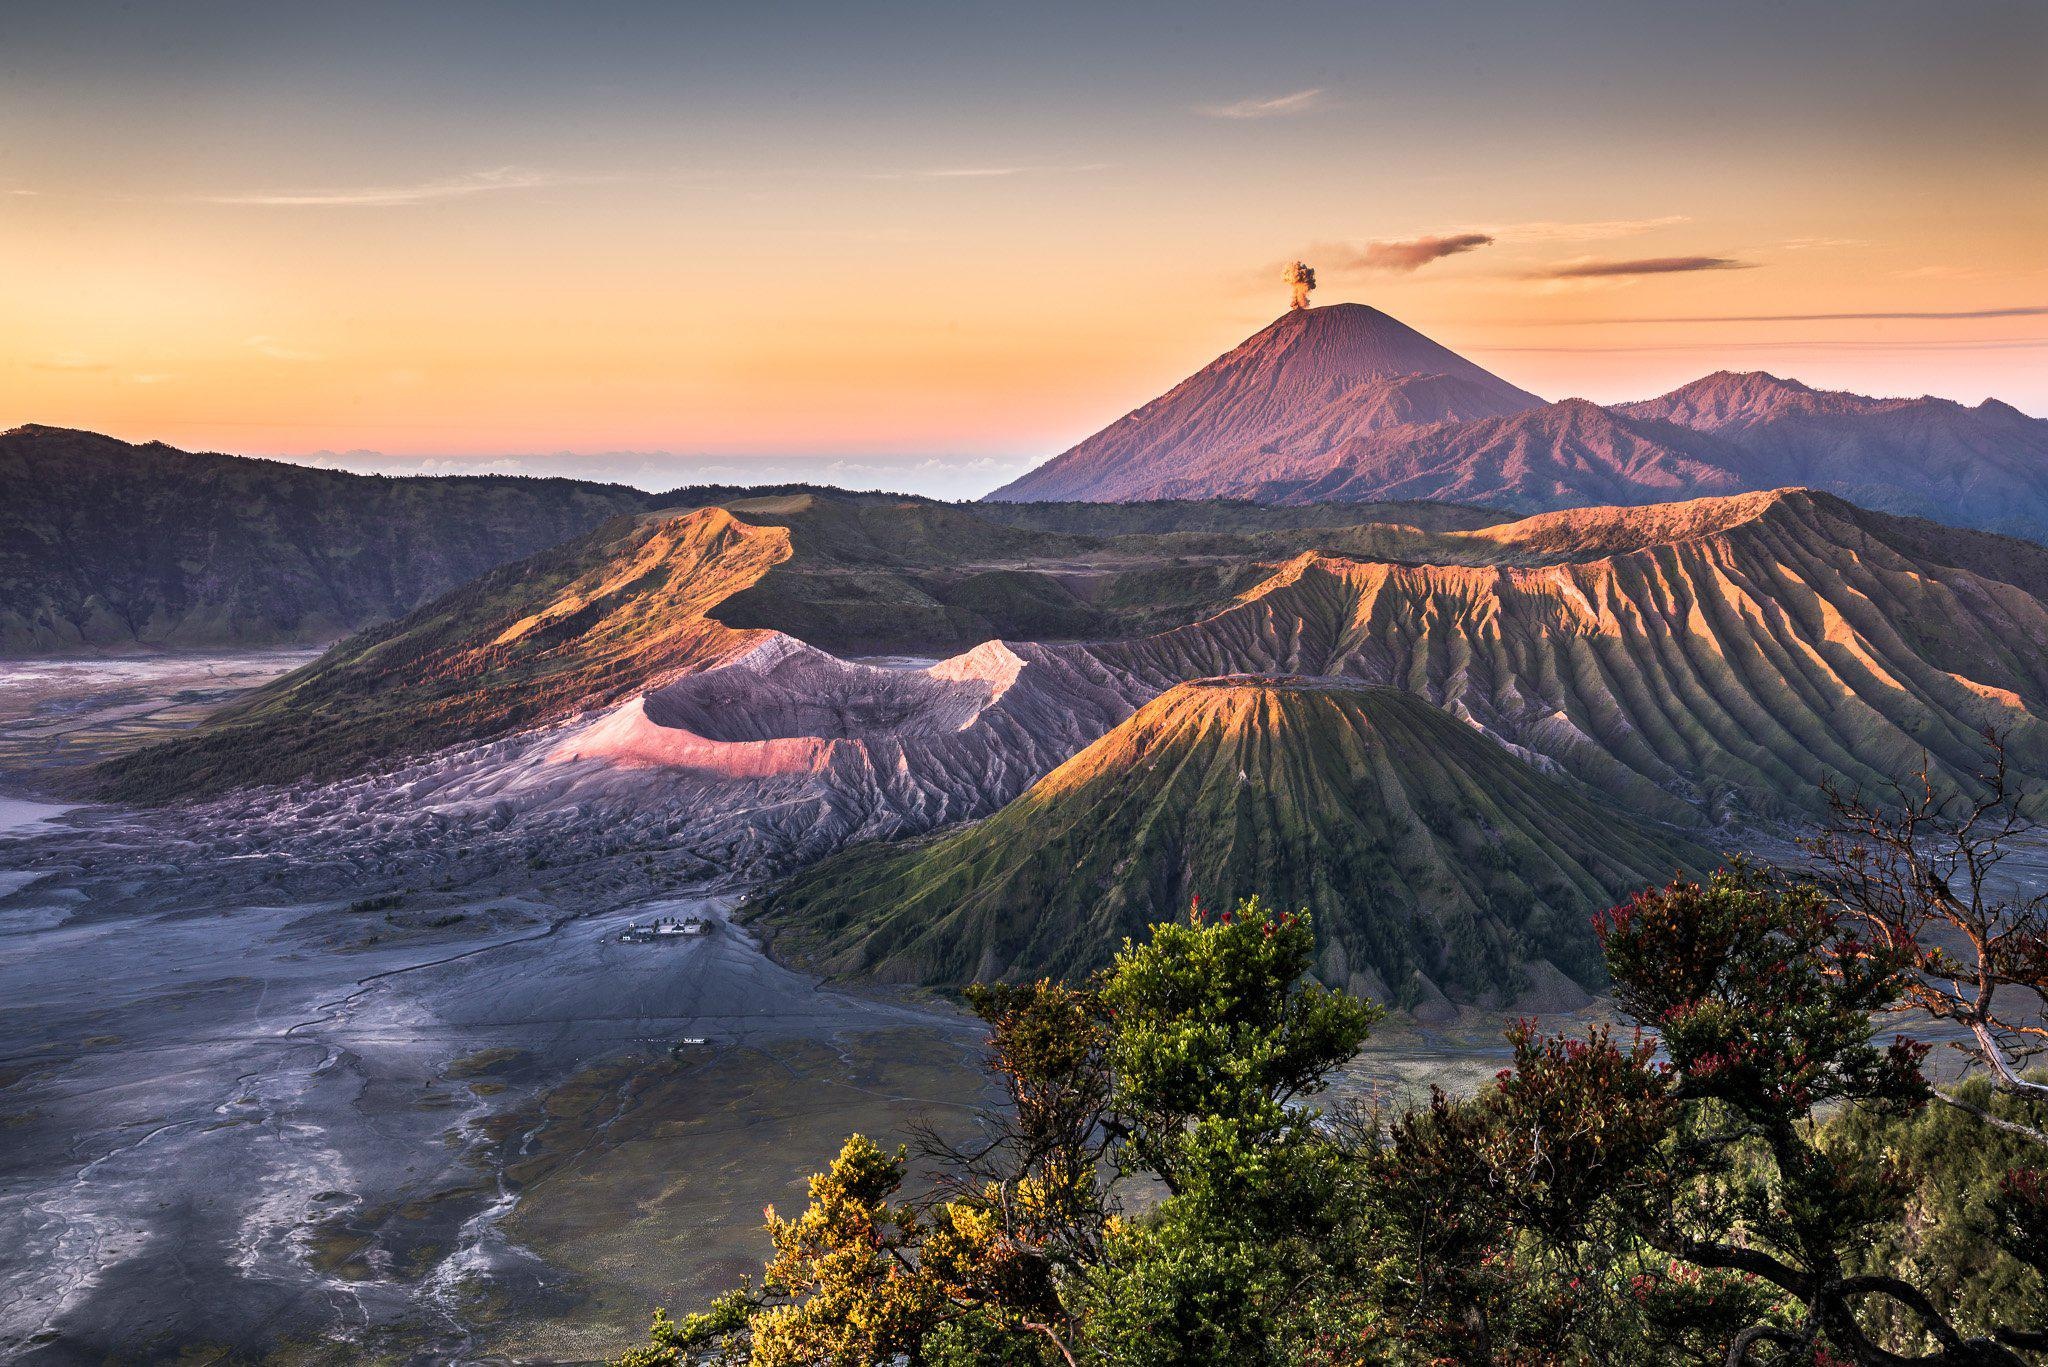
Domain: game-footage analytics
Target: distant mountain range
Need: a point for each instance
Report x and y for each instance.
(1438, 864)
(954, 477)
(105, 545)
(1344, 402)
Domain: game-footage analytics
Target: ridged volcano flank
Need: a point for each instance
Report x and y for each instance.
(1305, 382)
(1432, 858)
(1562, 455)
(624, 609)
(577, 627)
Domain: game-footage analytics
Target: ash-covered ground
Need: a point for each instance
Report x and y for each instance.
(266, 1102)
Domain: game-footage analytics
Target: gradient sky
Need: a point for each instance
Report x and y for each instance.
(979, 233)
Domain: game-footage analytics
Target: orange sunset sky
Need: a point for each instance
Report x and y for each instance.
(977, 236)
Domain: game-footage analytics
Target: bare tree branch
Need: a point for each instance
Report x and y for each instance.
(1920, 868)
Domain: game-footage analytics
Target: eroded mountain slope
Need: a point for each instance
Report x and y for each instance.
(561, 632)
(1724, 657)
(631, 605)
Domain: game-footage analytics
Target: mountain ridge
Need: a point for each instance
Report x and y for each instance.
(566, 629)
(109, 545)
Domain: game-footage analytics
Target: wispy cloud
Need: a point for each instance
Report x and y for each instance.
(1641, 265)
(1942, 271)
(989, 172)
(265, 345)
(1274, 107)
(70, 360)
(78, 363)
(1892, 315)
(1410, 254)
(474, 183)
(1594, 230)
(1725, 346)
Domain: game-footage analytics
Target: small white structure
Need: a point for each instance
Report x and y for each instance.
(667, 928)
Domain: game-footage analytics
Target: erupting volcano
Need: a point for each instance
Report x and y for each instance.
(1304, 383)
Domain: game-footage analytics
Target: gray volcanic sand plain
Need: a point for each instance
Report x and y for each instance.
(290, 1131)
(59, 714)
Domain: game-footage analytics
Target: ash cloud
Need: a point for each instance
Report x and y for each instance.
(1300, 278)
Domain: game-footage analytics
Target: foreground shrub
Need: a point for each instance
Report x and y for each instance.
(1753, 1179)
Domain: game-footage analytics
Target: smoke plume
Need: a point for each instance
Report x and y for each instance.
(1301, 279)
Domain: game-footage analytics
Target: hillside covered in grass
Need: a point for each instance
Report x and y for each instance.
(1436, 863)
